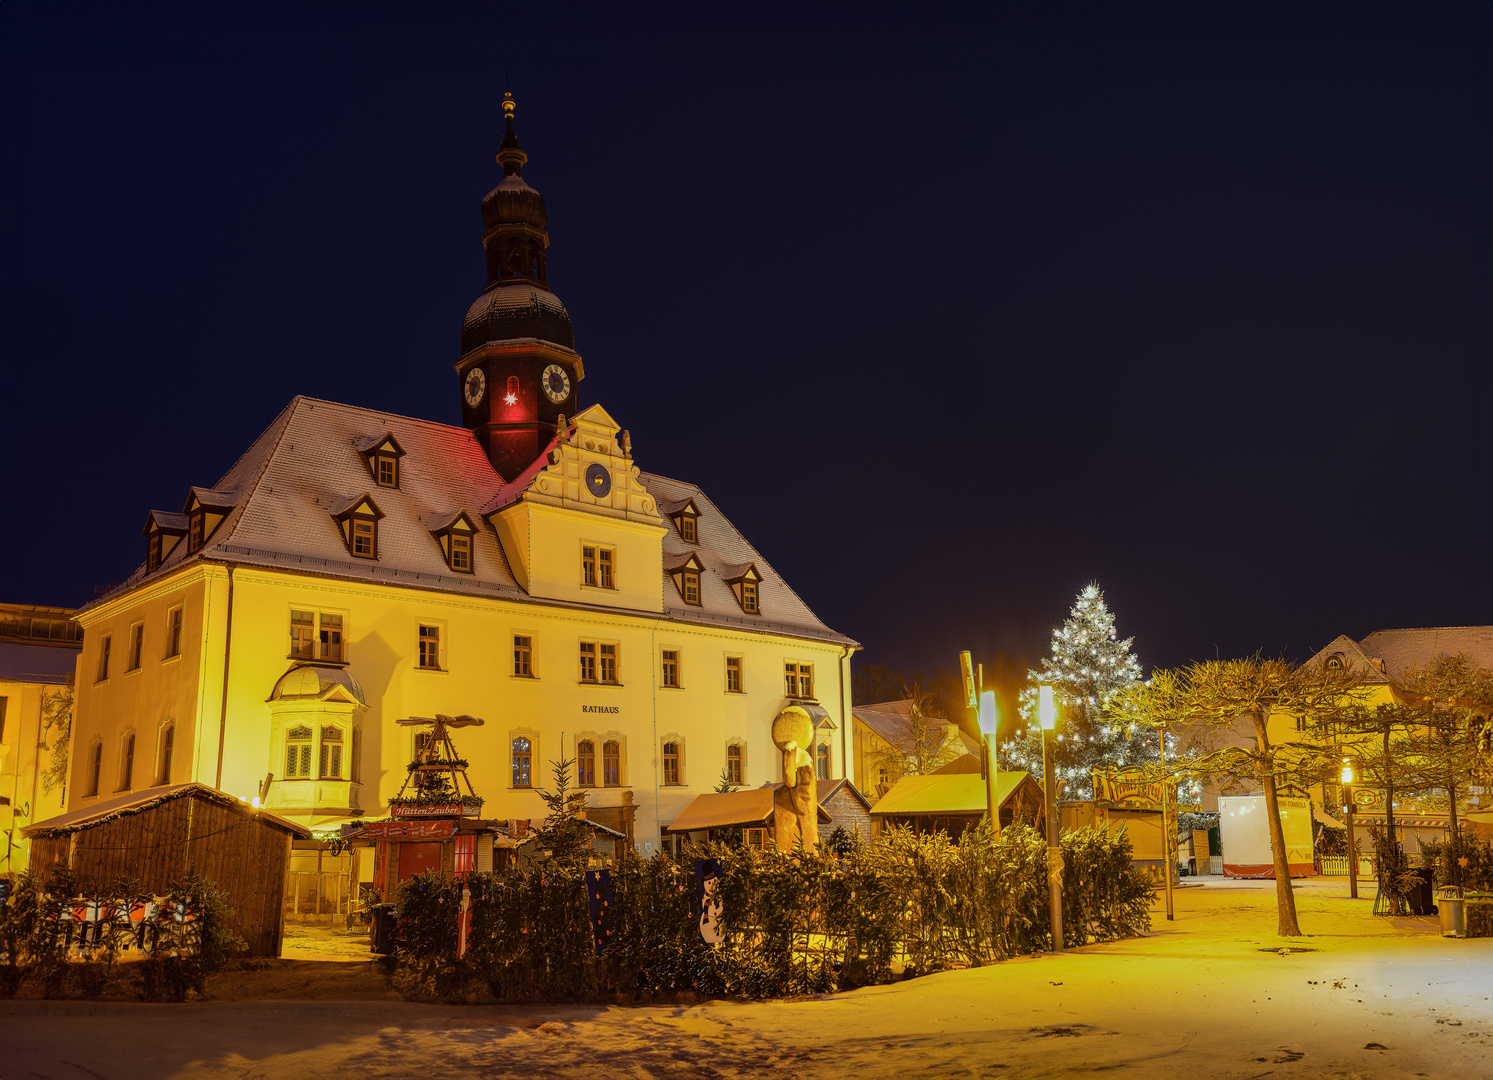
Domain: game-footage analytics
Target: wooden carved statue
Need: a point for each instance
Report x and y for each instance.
(796, 803)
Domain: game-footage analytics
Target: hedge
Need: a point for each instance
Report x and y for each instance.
(795, 923)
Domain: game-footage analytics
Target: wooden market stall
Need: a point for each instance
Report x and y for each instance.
(155, 837)
(952, 802)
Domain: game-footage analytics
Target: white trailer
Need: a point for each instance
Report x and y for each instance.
(1244, 831)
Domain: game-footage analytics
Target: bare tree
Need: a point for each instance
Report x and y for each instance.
(922, 742)
(1213, 695)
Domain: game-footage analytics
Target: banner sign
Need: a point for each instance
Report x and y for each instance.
(1124, 789)
(707, 904)
(409, 830)
(453, 810)
(599, 900)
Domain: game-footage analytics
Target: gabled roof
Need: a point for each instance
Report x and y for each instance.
(827, 789)
(1353, 657)
(135, 802)
(892, 726)
(750, 808)
(306, 465)
(956, 793)
(212, 498)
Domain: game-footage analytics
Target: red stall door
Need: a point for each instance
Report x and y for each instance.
(418, 858)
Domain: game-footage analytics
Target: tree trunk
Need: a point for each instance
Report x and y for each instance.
(1285, 900)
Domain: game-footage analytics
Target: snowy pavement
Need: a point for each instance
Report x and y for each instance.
(1196, 998)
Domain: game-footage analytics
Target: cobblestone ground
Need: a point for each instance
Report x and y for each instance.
(1196, 998)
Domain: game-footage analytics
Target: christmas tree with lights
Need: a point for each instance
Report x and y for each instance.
(1088, 663)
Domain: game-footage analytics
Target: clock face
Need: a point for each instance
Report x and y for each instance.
(474, 387)
(556, 383)
(598, 480)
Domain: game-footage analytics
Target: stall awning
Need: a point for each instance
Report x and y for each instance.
(1327, 819)
(134, 802)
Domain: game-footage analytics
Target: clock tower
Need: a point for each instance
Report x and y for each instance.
(518, 370)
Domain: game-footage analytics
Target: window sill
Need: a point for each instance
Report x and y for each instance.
(171, 659)
(525, 678)
(432, 670)
(667, 686)
(133, 671)
(100, 682)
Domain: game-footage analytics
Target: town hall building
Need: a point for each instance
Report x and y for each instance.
(355, 567)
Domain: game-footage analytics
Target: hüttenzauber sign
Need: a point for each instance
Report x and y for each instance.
(450, 810)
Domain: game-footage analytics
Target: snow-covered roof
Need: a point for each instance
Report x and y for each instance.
(308, 465)
(1402, 650)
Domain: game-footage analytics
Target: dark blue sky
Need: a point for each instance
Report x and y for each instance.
(951, 312)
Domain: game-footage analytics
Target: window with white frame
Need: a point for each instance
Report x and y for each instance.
(669, 675)
(430, 648)
(137, 646)
(733, 674)
(331, 752)
(127, 761)
(298, 752)
(523, 656)
(104, 646)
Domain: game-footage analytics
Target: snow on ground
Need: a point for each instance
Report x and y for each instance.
(1196, 998)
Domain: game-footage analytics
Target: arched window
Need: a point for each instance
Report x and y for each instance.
(611, 763)
(168, 743)
(585, 763)
(671, 763)
(127, 761)
(298, 753)
(331, 752)
(821, 761)
(522, 762)
(733, 764)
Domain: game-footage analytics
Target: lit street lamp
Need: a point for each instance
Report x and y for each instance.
(1047, 713)
(1348, 813)
(987, 729)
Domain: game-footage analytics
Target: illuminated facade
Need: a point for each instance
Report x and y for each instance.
(355, 567)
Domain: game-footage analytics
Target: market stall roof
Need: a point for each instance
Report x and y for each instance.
(134, 802)
(730, 809)
(947, 793)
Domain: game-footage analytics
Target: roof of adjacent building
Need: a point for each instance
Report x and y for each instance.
(29, 663)
(947, 793)
(308, 464)
(1385, 656)
(135, 802)
(828, 789)
(889, 719)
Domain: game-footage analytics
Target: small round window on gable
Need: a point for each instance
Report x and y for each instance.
(1335, 662)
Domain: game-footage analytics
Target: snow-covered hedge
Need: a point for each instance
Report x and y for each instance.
(792, 923)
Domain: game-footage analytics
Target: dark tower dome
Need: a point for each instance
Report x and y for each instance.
(518, 366)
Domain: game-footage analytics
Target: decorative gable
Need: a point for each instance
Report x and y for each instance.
(457, 537)
(357, 518)
(382, 455)
(583, 493)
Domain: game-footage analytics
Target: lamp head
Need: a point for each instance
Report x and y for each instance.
(987, 712)
(1347, 772)
(1047, 708)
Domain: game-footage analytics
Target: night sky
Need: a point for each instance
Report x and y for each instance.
(950, 312)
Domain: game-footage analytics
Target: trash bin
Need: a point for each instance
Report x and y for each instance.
(385, 922)
(1453, 912)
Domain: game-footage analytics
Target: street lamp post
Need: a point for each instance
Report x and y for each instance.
(1348, 813)
(1047, 713)
(987, 729)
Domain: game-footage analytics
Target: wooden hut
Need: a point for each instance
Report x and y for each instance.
(952, 802)
(156, 836)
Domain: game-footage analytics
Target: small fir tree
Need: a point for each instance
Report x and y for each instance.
(565, 835)
(1088, 665)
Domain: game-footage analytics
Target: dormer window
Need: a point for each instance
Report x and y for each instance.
(746, 583)
(382, 455)
(688, 574)
(205, 510)
(685, 517)
(163, 531)
(358, 519)
(457, 538)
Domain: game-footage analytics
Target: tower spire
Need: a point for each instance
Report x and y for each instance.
(509, 155)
